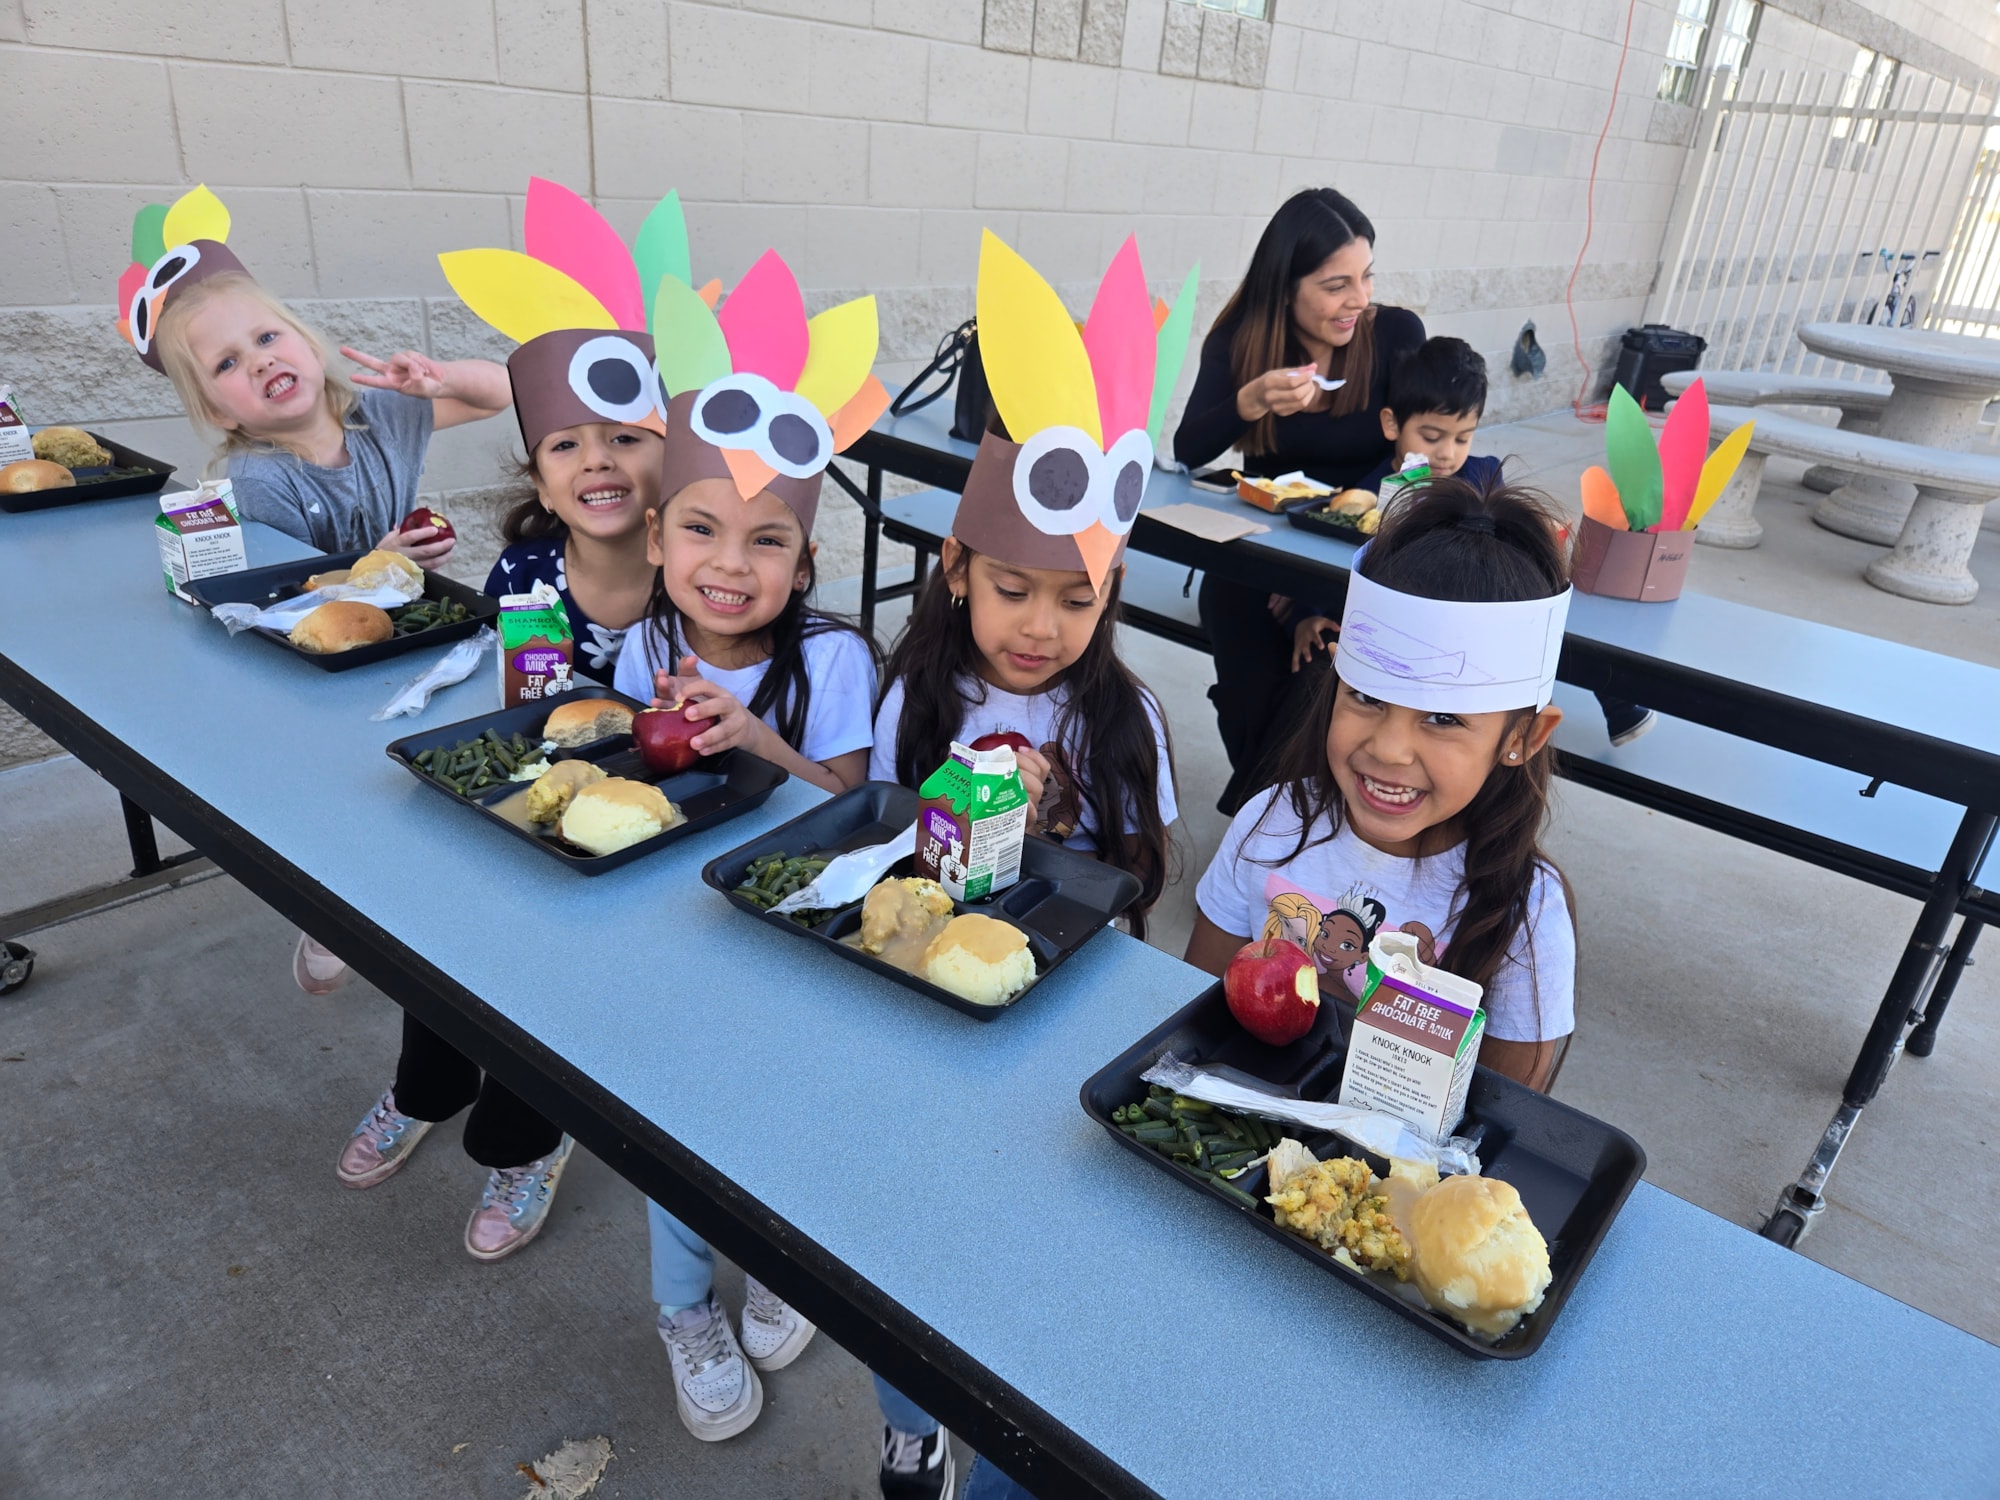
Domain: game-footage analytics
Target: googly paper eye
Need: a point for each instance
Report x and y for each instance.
(143, 317)
(781, 427)
(1127, 465)
(729, 411)
(1056, 479)
(612, 377)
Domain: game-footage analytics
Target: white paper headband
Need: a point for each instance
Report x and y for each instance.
(1444, 656)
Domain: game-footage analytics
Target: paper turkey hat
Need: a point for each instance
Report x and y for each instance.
(758, 393)
(1082, 410)
(576, 303)
(173, 245)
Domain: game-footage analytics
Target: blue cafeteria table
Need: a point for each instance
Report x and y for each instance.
(1826, 700)
(967, 1230)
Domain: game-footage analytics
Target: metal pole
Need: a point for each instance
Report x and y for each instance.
(1769, 196)
(1722, 335)
(1697, 175)
(1812, 149)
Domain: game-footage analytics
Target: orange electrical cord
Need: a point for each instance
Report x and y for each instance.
(1594, 412)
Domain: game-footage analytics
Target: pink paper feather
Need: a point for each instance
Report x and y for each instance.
(1120, 339)
(1683, 449)
(561, 230)
(764, 321)
(129, 283)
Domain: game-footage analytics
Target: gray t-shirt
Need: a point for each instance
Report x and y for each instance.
(340, 510)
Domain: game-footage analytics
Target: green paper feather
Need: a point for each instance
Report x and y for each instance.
(1171, 352)
(687, 340)
(1633, 456)
(662, 249)
(148, 233)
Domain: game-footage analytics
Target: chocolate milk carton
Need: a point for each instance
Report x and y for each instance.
(1416, 1036)
(972, 823)
(537, 647)
(200, 535)
(15, 441)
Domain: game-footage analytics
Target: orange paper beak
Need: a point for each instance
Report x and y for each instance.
(1098, 547)
(749, 471)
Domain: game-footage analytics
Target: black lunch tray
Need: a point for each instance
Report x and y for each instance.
(96, 484)
(1060, 901)
(281, 581)
(1311, 516)
(709, 792)
(1573, 1172)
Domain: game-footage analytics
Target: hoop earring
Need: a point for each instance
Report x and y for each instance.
(957, 601)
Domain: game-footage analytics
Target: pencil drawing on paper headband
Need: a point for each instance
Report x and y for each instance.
(1401, 654)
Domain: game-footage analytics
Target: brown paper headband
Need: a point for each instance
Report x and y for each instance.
(687, 458)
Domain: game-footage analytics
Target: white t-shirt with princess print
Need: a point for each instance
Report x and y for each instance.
(991, 710)
(1337, 895)
(838, 664)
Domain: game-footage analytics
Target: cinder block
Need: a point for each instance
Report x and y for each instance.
(949, 249)
(1327, 64)
(978, 88)
(490, 140)
(1253, 47)
(1344, 130)
(1064, 246)
(69, 364)
(251, 31)
(370, 324)
(728, 238)
(387, 244)
(53, 126)
(1152, 110)
(645, 149)
(456, 332)
(267, 228)
(1287, 123)
(1103, 40)
(1071, 99)
(442, 38)
(540, 43)
(946, 20)
(868, 75)
(320, 143)
(1106, 176)
(800, 159)
(13, 28)
(1281, 68)
(917, 166)
(36, 269)
(1223, 118)
(861, 247)
(844, 12)
(1020, 171)
(1217, 59)
(1180, 41)
(1058, 28)
(1145, 21)
(1010, 25)
(1246, 183)
(1179, 180)
(1380, 74)
(627, 46)
(732, 57)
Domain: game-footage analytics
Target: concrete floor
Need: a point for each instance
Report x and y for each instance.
(192, 1301)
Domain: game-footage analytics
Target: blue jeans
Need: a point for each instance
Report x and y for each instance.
(985, 1482)
(684, 1274)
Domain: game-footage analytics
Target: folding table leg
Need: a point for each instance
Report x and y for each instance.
(139, 835)
(1801, 1203)
(871, 547)
(1924, 1039)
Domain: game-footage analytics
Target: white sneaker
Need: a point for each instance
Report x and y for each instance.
(773, 1332)
(716, 1391)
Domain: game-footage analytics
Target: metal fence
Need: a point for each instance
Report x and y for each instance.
(1815, 197)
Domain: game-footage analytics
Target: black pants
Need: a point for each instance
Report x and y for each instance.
(434, 1081)
(1258, 698)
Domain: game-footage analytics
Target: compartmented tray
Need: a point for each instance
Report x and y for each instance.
(711, 791)
(281, 581)
(114, 481)
(1059, 903)
(1312, 516)
(1573, 1172)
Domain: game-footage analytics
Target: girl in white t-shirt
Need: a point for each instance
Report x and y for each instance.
(1420, 818)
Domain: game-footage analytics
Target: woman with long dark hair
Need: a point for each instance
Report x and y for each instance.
(1304, 312)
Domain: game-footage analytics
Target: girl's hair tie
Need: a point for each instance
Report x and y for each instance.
(1483, 525)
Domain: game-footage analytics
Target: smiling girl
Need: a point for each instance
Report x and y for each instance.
(1419, 779)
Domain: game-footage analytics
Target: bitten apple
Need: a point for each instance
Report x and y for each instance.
(1273, 990)
(423, 516)
(1007, 737)
(665, 738)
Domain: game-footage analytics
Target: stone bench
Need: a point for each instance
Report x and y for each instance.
(1859, 405)
(1929, 559)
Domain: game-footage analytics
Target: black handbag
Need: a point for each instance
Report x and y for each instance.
(957, 360)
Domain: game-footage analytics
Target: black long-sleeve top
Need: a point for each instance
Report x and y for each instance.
(1334, 450)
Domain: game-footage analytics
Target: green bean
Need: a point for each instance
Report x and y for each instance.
(1228, 1190)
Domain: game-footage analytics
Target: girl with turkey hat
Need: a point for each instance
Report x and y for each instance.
(1304, 313)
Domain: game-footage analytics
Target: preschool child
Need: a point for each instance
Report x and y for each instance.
(1414, 794)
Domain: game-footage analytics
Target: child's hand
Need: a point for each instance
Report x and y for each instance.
(734, 725)
(1034, 768)
(1309, 636)
(408, 374)
(425, 546)
(1281, 393)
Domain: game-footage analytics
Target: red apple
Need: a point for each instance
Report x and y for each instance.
(1273, 990)
(417, 520)
(1007, 737)
(666, 738)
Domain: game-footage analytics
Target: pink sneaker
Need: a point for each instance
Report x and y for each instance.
(317, 970)
(380, 1145)
(515, 1205)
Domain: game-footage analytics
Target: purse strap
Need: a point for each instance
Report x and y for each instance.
(950, 356)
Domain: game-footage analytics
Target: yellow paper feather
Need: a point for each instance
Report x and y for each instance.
(843, 342)
(196, 215)
(1717, 472)
(1036, 365)
(522, 297)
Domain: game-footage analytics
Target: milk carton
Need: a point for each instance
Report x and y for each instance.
(973, 822)
(1413, 476)
(1415, 1039)
(15, 441)
(200, 535)
(537, 647)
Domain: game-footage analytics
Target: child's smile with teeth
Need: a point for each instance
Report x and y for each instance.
(281, 386)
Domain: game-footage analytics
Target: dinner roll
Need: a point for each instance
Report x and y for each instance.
(341, 626)
(30, 474)
(582, 720)
(1479, 1257)
(374, 568)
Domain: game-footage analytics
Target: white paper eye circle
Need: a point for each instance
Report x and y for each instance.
(797, 441)
(1059, 480)
(731, 412)
(612, 377)
(1126, 467)
(143, 316)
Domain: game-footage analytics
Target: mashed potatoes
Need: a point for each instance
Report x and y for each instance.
(980, 959)
(615, 814)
